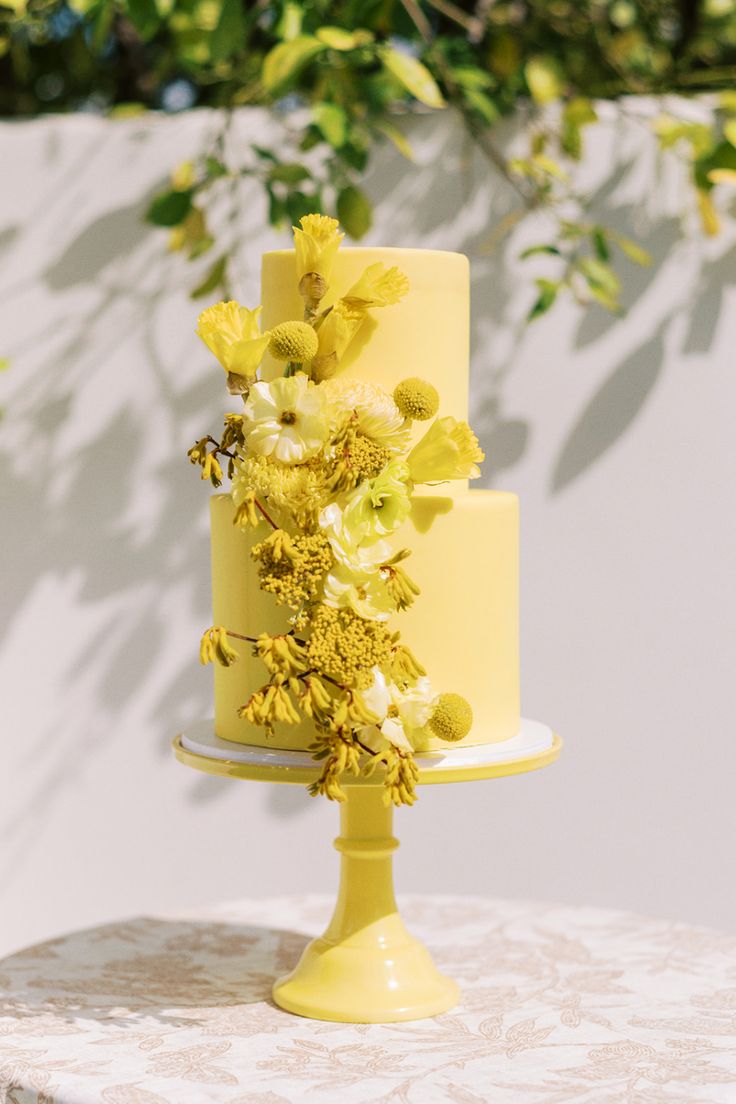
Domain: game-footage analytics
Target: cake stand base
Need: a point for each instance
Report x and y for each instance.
(366, 968)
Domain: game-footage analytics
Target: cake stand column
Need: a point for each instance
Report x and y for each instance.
(366, 968)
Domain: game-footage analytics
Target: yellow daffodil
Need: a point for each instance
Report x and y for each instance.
(337, 329)
(378, 287)
(448, 450)
(234, 335)
(316, 241)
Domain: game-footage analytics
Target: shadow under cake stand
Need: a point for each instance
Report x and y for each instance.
(366, 968)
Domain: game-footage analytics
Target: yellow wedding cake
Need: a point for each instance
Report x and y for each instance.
(350, 384)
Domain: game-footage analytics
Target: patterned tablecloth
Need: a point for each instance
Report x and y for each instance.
(559, 1005)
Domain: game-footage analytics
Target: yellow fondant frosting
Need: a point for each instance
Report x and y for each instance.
(464, 625)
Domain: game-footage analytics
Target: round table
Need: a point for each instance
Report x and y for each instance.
(558, 1005)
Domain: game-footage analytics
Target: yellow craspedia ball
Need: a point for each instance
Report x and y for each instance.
(293, 341)
(416, 399)
(452, 718)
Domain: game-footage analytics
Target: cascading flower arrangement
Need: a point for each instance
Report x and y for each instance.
(325, 463)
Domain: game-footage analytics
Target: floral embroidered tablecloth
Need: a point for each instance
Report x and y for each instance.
(559, 1005)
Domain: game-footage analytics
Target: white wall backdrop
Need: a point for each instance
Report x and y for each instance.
(618, 435)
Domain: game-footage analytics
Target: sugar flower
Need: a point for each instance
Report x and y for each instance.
(377, 415)
(448, 450)
(378, 506)
(316, 241)
(405, 713)
(234, 335)
(284, 419)
(337, 329)
(378, 287)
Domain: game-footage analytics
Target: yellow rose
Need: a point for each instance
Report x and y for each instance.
(378, 287)
(234, 335)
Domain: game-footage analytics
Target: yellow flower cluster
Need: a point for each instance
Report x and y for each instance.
(292, 568)
(357, 458)
(346, 646)
(270, 705)
(214, 647)
(297, 492)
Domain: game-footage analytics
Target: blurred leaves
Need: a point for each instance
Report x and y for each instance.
(343, 75)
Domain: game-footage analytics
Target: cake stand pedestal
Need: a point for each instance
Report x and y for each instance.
(366, 968)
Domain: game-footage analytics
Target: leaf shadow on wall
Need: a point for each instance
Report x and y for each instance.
(609, 413)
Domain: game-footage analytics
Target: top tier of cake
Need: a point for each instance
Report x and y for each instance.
(425, 335)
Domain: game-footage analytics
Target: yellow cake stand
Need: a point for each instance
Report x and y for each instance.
(366, 968)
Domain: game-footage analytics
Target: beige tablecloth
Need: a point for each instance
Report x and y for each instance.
(559, 1005)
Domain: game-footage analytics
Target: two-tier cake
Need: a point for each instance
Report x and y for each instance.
(350, 519)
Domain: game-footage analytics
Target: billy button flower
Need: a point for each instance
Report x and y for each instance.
(293, 341)
(452, 717)
(417, 399)
(234, 335)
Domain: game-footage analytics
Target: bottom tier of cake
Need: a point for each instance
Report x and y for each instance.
(463, 627)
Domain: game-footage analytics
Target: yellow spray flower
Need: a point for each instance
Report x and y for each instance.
(378, 506)
(316, 241)
(378, 287)
(234, 335)
(294, 341)
(448, 450)
(336, 331)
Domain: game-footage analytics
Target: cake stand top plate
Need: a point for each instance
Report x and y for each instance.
(534, 746)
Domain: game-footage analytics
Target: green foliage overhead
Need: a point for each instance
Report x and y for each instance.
(346, 72)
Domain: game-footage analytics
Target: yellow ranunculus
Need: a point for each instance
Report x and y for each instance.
(378, 287)
(234, 335)
(316, 240)
(337, 330)
(448, 450)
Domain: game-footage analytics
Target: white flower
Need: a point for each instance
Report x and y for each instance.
(349, 552)
(378, 416)
(365, 592)
(285, 419)
(404, 713)
(378, 506)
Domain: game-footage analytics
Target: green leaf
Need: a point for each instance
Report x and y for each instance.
(544, 78)
(469, 76)
(290, 24)
(722, 157)
(600, 245)
(414, 76)
(600, 276)
(170, 208)
(579, 112)
(547, 295)
(398, 138)
(354, 211)
(482, 105)
(285, 60)
(729, 131)
(631, 249)
(4, 364)
(145, 17)
(214, 278)
(299, 203)
(289, 173)
(338, 39)
(215, 168)
(332, 122)
(534, 250)
(264, 154)
(229, 34)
